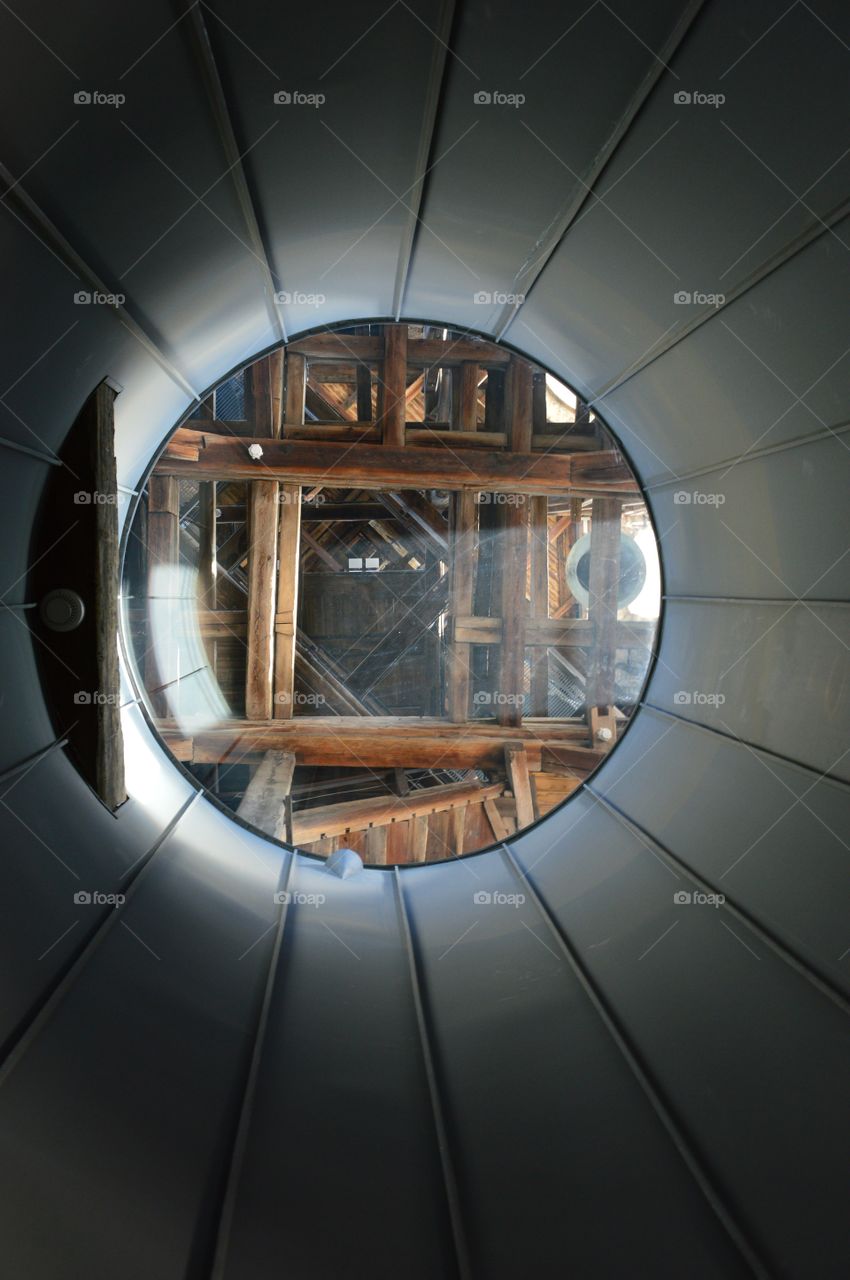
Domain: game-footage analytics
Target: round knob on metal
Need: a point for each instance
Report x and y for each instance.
(62, 610)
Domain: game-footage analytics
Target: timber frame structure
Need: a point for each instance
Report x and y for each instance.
(437, 459)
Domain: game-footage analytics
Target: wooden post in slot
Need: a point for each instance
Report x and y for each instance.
(468, 398)
(364, 393)
(394, 381)
(539, 411)
(516, 763)
(264, 803)
(163, 556)
(603, 589)
(109, 757)
(514, 571)
(296, 386)
(258, 398)
(539, 581)
(207, 565)
(462, 571)
(276, 368)
(288, 556)
(520, 406)
(262, 562)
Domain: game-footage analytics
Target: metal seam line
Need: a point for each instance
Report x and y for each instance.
(32, 453)
(36, 756)
(786, 953)
(812, 233)
(430, 111)
(21, 1038)
(446, 1160)
(529, 273)
(81, 269)
(239, 1144)
(782, 446)
(809, 770)
(652, 1091)
(224, 122)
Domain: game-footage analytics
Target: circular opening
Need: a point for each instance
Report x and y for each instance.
(392, 588)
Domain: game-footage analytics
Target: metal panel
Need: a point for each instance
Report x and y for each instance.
(528, 1205)
(726, 1025)
(177, 980)
(771, 673)
(790, 870)
(341, 1128)
(748, 530)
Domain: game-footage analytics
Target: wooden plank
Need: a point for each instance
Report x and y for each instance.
(498, 826)
(539, 591)
(163, 550)
(391, 418)
(420, 351)
(457, 827)
(516, 763)
(109, 750)
(462, 573)
(384, 467)
(207, 567)
(324, 555)
(258, 398)
(514, 569)
(602, 609)
(575, 632)
(376, 846)
(380, 811)
(418, 838)
(420, 437)
(377, 741)
(262, 558)
(520, 405)
(264, 803)
(288, 560)
(468, 398)
(296, 389)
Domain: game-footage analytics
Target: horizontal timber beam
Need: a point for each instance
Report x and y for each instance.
(420, 351)
(380, 467)
(550, 632)
(386, 742)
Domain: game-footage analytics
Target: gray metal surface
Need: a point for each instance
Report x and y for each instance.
(598, 1080)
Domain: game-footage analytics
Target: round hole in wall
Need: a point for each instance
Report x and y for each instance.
(393, 588)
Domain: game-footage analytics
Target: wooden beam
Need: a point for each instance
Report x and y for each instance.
(539, 590)
(258, 398)
(549, 632)
(520, 405)
(317, 549)
(380, 811)
(385, 467)
(391, 418)
(207, 566)
(462, 575)
(262, 558)
(420, 351)
(498, 826)
(288, 560)
(468, 398)
(384, 742)
(603, 588)
(514, 569)
(109, 751)
(457, 830)
(162, 566)
(516, 763)
(296, 390)
(264, 803)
